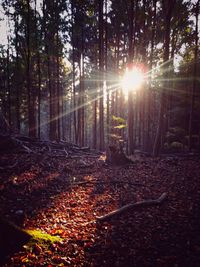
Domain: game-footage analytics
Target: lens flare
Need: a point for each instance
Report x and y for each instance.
(132, 80)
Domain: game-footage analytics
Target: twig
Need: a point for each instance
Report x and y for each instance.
(144, 203)
(92, 182)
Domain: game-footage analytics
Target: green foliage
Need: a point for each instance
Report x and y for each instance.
(40, 238)
(118, 124)
(118, 119)
(122, 126)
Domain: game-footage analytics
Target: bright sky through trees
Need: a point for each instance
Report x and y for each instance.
(132, 79)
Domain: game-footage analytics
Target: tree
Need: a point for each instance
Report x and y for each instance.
(194, 85)
(101, 70)
(167, 12)
(131, 37)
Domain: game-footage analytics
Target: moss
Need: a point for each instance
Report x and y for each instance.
(41, 238)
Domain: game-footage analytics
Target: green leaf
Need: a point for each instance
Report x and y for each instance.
(120, 126)
(118, 119)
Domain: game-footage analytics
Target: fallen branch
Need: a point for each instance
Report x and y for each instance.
(107, 183)
(144, 203)
(26, 149)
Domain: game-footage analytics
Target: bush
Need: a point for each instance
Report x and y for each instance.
(175, 136)
(176, 146)
(170, 137)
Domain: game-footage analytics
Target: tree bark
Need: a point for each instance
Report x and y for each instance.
(130, 94)
(101, 69)
(167, 9)
(194, 77)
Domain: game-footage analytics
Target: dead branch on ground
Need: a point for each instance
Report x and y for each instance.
(144, 203)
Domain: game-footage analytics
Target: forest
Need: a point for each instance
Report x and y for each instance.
(99, 133)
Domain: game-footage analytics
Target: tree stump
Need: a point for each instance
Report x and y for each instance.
(115, 155)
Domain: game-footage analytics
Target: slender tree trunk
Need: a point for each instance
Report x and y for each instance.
(39, 94)
(130, 124)
(101, 68)
(81, 109)
(130, 94)
(38, 74)
(82, 91)
(17, 73)
(167, 8)
(51, 124)
(106, 71)
(95, 125)
(8, 84)
(194, 77)
(95, 105)
(74, 99)
(28, 69)
(31, 95)
(58, 115)
(28, 81)
(73, 75)
(63, 104)
(149, 131)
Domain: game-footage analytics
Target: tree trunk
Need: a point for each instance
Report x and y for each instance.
(17, 74)
(31, 96)
(194, 77)
(38, 75)
(149, 137)
(167, 9)
(8, 84)
(58, 115)
(101, 69)
(130, 94)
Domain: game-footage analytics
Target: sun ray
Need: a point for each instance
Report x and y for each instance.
(111, 88)
(132, 79)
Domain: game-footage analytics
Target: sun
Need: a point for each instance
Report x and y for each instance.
(132, 80)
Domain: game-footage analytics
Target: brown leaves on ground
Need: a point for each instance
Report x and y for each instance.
(44, 193)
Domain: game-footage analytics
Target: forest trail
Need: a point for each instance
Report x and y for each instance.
(56, 195)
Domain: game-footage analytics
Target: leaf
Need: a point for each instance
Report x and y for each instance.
(118, 119)
(120, 126)
(57, 232)
(37, 249)
(24, 259)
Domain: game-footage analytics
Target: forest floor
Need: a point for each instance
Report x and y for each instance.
(45, 192)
